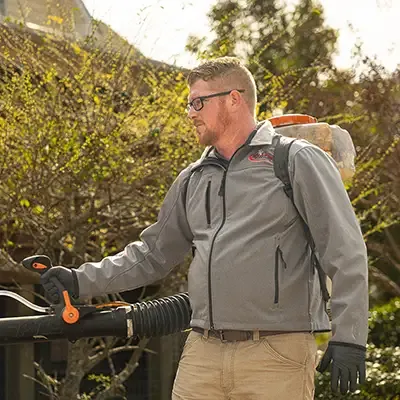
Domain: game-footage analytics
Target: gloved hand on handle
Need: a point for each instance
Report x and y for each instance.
(348, 365)
(57, 279)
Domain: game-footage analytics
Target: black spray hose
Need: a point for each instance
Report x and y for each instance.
(159, 317)
(162, 316)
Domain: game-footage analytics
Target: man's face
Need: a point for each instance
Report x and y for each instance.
(211, 121)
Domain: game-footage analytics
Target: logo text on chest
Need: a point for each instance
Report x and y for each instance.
(261, 155)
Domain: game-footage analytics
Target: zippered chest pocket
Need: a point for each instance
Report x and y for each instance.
(280, 264)
(205, 204)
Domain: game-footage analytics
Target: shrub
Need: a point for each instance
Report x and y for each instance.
(384, 327)
(383, 377)
(383, 358)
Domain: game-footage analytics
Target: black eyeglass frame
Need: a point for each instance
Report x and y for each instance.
(202, 98)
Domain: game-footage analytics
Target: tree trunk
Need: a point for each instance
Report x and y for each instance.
(75, 372)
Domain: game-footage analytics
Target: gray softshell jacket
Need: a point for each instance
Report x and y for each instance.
(252, 263)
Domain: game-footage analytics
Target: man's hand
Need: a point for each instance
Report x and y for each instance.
(58, 279)
(348, 363)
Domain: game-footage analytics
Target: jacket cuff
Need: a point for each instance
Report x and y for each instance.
(343, 344)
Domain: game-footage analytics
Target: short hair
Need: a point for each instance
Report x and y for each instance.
(232, 72)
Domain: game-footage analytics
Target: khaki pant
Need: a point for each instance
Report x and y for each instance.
(276, 367)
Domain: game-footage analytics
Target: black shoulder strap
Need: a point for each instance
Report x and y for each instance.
(281, 163)
(281, 169)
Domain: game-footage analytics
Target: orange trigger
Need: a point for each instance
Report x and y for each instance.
(70, 314)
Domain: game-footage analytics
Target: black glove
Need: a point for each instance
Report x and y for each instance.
(348, 362)
(58, 279)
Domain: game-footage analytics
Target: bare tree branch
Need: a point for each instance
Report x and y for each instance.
(393, 245)
(118, 380)
(8, 265)
(388, 284)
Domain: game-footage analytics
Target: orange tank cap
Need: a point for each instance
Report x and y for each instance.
(292, 119)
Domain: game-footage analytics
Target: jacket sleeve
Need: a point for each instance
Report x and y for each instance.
(322, 200)
(163, 245)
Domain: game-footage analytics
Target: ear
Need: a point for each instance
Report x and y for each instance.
(236, 100)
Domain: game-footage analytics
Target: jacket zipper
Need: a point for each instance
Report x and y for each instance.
(278, 258)
(221, 193)
(208, 206)
(218, 164)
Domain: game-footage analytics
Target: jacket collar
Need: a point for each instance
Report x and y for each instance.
(262, 135)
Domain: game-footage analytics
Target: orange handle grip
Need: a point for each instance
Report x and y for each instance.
(70, 314)
(38, 263)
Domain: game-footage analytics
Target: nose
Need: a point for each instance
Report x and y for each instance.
(191, 113)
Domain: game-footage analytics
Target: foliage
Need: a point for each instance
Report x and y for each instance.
(86, 157)
(383, 378)
(383, 358)
(90, 140)
(384, 327)
(285, 49)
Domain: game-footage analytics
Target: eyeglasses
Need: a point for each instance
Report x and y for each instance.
(198, 102)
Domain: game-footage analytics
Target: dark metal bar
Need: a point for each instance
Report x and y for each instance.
(43, 328)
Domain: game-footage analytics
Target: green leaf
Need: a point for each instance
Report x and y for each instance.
(25, 203)
(37, 210)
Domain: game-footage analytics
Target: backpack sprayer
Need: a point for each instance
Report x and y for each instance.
(163, 316)
(333, 139)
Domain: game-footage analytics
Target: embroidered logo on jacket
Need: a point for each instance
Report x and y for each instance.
(261, 155)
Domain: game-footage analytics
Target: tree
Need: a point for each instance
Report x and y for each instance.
(90, 140)
(284, 49)
(376, 190)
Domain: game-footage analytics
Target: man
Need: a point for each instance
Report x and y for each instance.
(254, 293)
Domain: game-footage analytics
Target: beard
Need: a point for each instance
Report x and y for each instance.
(206, 136)
(209, 136)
